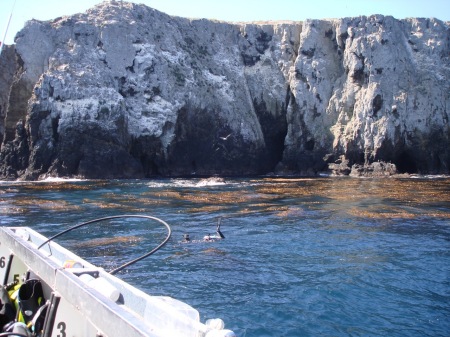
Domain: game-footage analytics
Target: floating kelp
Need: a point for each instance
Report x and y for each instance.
(359, 190)
(102, 204)
(48, 204)
(400, 214)
(291, 211)
(214, 251)
(65, 185)
(107, 241)
(12, 210)
(207, 208)
(143, 199)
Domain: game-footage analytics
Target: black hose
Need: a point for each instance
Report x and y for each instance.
(114, 271)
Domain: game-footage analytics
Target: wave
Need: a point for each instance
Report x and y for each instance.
(192, 183)
(64, 180)
(429, 176)
(46, 180)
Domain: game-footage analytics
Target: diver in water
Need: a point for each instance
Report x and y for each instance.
(208, 238)
(219, 233)
(218, 236)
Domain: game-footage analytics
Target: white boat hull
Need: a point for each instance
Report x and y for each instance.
(79, 309)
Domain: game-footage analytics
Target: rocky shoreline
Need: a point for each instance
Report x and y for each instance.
(125, 91)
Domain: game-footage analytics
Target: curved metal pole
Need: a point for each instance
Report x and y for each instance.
(114, 271)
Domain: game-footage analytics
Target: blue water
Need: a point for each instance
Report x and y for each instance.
(301, 257)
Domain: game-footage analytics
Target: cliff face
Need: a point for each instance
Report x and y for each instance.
(8, 67)
(374, 89)
(127, 91)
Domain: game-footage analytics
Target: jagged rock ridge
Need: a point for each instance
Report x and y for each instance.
(126, 91)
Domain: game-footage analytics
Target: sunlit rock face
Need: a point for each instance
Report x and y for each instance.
(125, 91)
(372, 89)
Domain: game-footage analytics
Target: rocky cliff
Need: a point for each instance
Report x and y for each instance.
(125, 91)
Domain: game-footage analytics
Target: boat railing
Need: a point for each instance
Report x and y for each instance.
(82, 308)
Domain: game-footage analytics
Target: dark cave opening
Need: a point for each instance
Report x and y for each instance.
(405, 163)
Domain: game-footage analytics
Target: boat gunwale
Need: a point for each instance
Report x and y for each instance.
(88, 301)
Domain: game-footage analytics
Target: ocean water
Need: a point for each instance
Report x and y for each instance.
(301, 257)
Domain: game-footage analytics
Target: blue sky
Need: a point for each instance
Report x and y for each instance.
(230, 10)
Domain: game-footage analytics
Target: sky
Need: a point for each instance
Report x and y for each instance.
(228, 10)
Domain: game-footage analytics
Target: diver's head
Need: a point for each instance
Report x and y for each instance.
(186, 237)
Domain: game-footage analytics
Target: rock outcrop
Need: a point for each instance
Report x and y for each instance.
(125, 91)
(8, 68)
